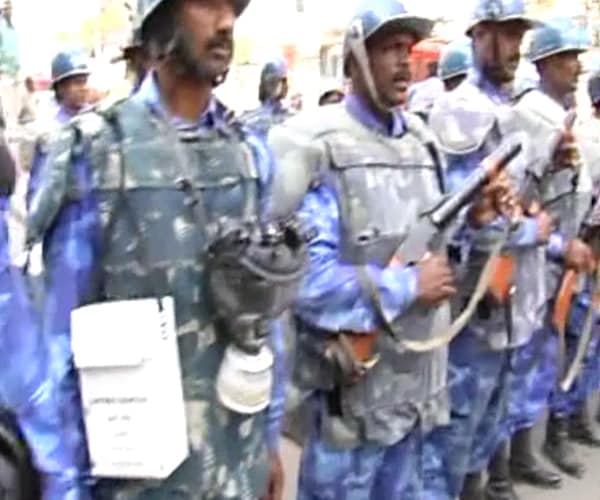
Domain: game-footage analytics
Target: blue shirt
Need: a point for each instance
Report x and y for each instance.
(331, 297)
(495, 93)
(361, 111)
(4, 239)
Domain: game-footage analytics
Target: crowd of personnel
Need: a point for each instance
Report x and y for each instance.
(404, 280)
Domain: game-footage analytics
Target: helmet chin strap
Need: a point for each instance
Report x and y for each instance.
(359, 50)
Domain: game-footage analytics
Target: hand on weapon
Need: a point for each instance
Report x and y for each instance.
(566, 154)
(496, 198)
(563, 155)
(435, 280)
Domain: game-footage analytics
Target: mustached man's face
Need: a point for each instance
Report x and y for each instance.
(497, 49)
(206, 44)
(389, 61)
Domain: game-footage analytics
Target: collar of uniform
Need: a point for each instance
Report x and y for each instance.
(496, 94)
(361, 111)
(63, 115)
(565, 104)
(149, 94)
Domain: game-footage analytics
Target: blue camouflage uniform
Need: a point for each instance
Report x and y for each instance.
(27, 386)
(333, 299)
(67, 260)
(534, 366)
(565, 404)
(65, 211)
(480, 358)
(362, 207)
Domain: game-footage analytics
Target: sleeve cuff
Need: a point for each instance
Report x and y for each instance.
(273, 437)
(411, 275)
(402, 292)
(556, 247)
(527, 234)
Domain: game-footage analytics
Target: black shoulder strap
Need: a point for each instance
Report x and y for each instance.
(432, 150)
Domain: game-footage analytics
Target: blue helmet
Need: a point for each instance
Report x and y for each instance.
(368, 19)
(69, 63)
(276, 69)
(560, 35)
(272, 75)
(147, 7)
(374, 15)
(456, 59)
(500, 11)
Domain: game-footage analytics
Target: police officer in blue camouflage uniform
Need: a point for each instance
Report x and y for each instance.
(70, 72)
(467, 122)
(272, 90)
(455, 63)
(566, 194)
(65, 253)
(175, 201)
(367, 298)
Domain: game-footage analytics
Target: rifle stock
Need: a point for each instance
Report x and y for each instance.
(501, 284)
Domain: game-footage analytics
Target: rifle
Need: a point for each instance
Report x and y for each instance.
(590, 234)
(358, 349)
(501, 287)
(586, 337)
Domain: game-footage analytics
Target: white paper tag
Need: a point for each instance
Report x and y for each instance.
(127, 356)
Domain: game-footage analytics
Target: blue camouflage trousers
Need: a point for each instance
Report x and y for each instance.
(532, 379)
(369, 472)
(479, 386)
(28, 391)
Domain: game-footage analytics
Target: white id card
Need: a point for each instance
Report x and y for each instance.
(127, 357)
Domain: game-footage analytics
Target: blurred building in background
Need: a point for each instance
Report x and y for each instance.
(308, 33)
